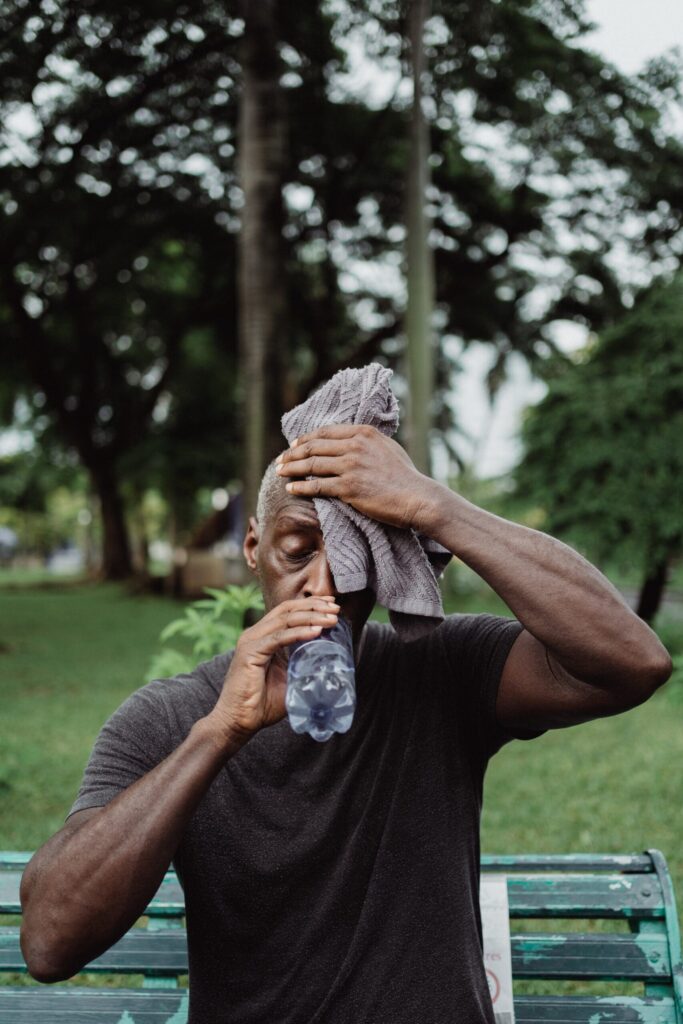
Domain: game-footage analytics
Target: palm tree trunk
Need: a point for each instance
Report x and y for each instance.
(262, 293)
(419, 259)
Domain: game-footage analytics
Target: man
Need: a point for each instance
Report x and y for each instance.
(337, 882)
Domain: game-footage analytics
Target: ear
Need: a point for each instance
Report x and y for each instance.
(251, 542)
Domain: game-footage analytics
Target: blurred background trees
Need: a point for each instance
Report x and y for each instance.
(604, 451)
(203, 216)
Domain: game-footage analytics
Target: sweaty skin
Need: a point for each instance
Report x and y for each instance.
(582, 654)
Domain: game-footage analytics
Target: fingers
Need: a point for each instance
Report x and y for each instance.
(320, 487)
(297, 613)
(284, 637)
(294, 620)
(335, 430)
(318, 464)
(318, 446)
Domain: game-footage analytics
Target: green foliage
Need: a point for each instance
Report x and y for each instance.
(603, 453)
(120, 204)
(212, 625)
(41, 497)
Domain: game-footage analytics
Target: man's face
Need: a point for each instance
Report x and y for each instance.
(289, 555)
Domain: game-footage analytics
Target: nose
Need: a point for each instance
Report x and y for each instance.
(320, 581)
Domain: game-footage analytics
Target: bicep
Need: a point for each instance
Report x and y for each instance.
(535, 692)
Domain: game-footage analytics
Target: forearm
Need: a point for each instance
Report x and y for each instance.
(88, 885)
(559, 597)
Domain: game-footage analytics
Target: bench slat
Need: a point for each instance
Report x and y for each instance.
(600, 896)
(595, 956)
(544, 895)
(92, 1006)
(108, 1006)
(158, 953)
(629, 862)
(598, 1010)
(528, 862)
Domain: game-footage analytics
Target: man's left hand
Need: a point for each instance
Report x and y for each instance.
(361, 466)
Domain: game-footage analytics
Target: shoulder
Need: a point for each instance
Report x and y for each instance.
(472, 642)
(174, 703)
(205, 679)
(455, 629)
(475, 627)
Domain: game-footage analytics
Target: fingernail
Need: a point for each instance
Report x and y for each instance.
(279, 459)
(294, 442)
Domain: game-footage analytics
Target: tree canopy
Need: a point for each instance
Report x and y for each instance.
(603, 453)
(120, 205)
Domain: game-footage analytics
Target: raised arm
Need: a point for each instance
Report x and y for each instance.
(88, 884)
(582, 654)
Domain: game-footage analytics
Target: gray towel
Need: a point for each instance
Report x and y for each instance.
(401, 566)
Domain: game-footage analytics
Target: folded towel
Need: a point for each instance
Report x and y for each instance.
(401, 566)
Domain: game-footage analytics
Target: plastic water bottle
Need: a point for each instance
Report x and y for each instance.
(321, 682)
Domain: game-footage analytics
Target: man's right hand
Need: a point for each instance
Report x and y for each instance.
(253, 694)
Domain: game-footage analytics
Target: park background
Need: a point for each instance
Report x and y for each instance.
(206, 211)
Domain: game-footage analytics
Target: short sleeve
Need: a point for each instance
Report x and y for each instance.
(135, 739)
(477, 647)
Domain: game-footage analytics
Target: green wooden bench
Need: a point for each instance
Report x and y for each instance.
(634, 889)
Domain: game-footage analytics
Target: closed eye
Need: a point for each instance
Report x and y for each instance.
(298, 557)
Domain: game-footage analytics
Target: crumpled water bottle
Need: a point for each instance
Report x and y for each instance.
(321, 682)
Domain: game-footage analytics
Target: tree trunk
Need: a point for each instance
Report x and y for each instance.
(116, 555)
(419, 260)
(262, 292)
(652, 590)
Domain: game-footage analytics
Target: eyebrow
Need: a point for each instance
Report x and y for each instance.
(297, 522)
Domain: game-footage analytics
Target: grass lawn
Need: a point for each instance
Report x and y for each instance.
(69, 656)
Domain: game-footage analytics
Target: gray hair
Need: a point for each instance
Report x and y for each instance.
(269, 493)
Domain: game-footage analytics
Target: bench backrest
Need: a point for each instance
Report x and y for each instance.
(635, 890)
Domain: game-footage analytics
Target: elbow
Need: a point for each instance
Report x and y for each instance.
(660, 668)
(46, 973)
(41, 939)
(654, 667)
(40, 961)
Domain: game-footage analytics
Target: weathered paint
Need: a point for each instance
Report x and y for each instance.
(597, 1010)
(594, 955)
(571, 894)
(547, 886)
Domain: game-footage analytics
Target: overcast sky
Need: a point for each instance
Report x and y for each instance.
(629, 33)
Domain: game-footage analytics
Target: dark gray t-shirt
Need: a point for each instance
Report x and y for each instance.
(337, 882)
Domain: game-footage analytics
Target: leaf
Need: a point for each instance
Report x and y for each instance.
(168, 663)
(213, 624)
